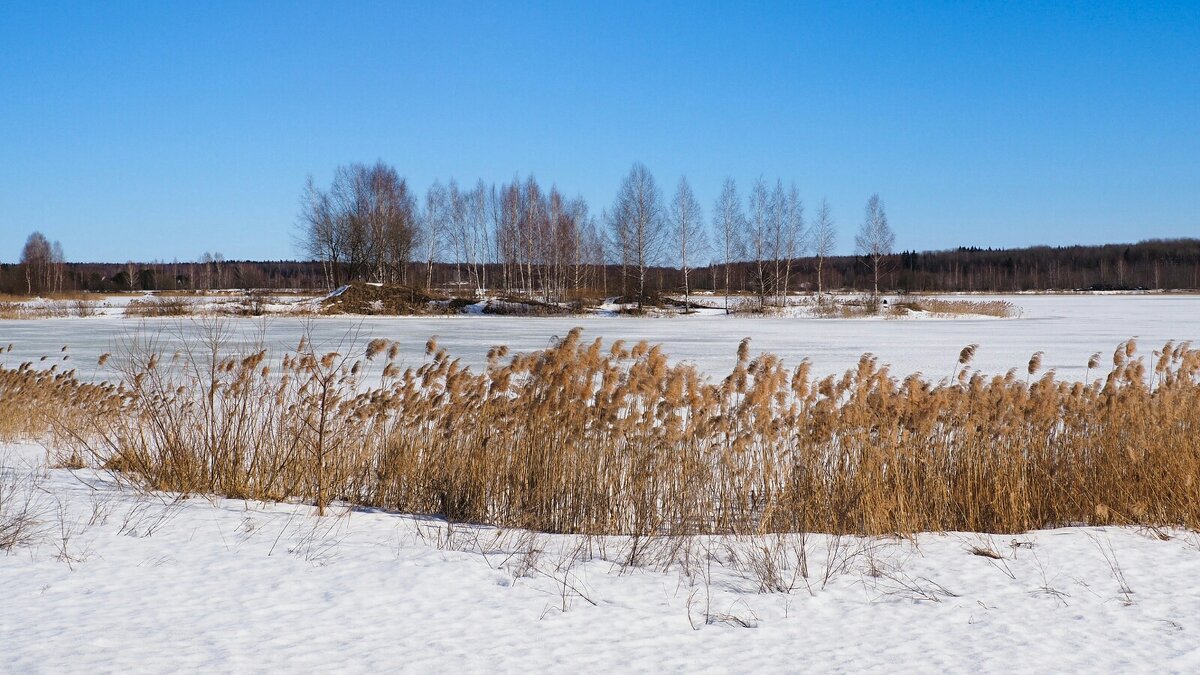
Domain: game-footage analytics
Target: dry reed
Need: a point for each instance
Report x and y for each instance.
(159, 306)
(596, 439)
(942, 307)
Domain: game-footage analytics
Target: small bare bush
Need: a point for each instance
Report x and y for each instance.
(84, 308)
(21, 509)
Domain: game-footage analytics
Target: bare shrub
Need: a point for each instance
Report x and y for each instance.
(22, 509)
(84, 308)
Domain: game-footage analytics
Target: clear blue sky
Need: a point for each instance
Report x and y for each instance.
(163, 130)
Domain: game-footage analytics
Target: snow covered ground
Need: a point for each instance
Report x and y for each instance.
(1068, 328)
(113, 580)
(117, 581)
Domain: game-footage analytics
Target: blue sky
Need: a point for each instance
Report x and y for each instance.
(161, 131)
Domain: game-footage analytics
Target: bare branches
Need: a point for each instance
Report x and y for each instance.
(875, 239)
(729, 222)
(687, 220)
(363, 227)
(637, 221)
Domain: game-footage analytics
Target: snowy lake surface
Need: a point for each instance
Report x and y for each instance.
(1068, 328)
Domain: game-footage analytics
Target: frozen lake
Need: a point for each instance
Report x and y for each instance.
(1067, 328)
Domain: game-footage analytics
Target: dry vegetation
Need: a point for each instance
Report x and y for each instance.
(371, 299)
(597, 439)
(853, 307)
(50, 309)
(159, 306)
(942, 307)
(518, 306)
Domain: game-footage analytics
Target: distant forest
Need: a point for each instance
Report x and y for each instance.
(523, 239)
(1154, 264)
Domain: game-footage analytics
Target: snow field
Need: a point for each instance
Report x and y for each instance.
(117, 580)
(146, 584)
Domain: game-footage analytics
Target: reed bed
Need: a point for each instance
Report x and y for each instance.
(943, 307)
(49, 309)
(159, 306)
(590, 438)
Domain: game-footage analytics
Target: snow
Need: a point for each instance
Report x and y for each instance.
(1068, 328)
(117, 580)
(145, 583)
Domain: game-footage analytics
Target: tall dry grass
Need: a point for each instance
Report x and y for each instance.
(943, 307)
(49, 309)
(592, 438)
(53, 406)
(159, 306)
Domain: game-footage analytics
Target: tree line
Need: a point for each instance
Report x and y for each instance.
(521, 238)
(1154, 264)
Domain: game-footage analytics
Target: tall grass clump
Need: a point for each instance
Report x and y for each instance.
(601, 439)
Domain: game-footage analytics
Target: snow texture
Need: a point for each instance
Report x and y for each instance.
(121, 581)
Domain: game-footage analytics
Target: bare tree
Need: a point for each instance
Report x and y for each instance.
(364, 226)
(777, 240)
(637, 218)
(437, 215)
(477, 235)
(794, 235)
(58, 264)
(875, 239)
(131, 275)
(759, 231)
(687, 220)
(618, 247)
(824, 239)
(319, 236)
(389, 210)
(37, 260)
(729, 222)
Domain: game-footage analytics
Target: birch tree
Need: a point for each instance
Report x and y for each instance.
(875, 239)
(729, 222)
(436, 217)
(687, 221)
(637, 219)
(759, 234)
(794, 235)
(824, 239)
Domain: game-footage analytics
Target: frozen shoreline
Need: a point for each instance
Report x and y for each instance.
(1069, 329)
